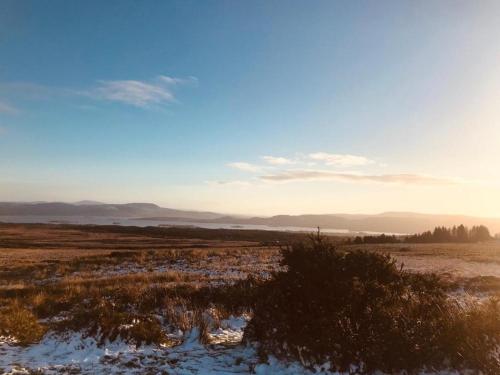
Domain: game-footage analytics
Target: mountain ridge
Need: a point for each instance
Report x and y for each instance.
(391, 221)
(122, 210)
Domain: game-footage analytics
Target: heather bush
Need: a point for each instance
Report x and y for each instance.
(359, 308)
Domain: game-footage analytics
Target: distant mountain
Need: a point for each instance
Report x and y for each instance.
(90, 208)
(388, 222)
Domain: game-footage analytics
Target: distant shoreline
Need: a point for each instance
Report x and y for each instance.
(172, 223)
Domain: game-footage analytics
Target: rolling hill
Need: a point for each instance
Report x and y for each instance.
(389, 222)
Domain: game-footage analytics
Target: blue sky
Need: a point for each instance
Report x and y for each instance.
(358, 106)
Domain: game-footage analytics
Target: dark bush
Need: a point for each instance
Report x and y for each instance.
(359, 308)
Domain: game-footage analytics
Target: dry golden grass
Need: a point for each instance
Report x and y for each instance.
(131, 282)
(116, 284)
(457, 260)
(477, 252)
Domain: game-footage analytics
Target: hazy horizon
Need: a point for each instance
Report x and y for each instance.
(250, 214)
(256, 108)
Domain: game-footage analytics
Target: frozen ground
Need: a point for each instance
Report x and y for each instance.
(75, 354)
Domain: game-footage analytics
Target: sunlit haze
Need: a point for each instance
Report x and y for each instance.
(263, 107)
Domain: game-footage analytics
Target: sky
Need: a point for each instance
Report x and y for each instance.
(258, 107)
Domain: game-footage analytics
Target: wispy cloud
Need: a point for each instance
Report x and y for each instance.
(139, 93)
(305, 167)
(247, 167)
(305, 175)
(136, 93)
(342, 160)
(7, 109)
(277, 160)
(143, 94)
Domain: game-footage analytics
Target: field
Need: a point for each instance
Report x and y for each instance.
(110, 299)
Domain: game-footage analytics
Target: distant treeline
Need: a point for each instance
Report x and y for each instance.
(440, 234)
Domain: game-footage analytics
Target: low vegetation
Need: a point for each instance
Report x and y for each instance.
(360, 308)
(137, 285)
(313, 301)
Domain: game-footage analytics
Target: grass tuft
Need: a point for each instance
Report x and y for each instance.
(20, 323)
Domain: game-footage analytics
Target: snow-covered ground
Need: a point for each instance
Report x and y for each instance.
(74, 354)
